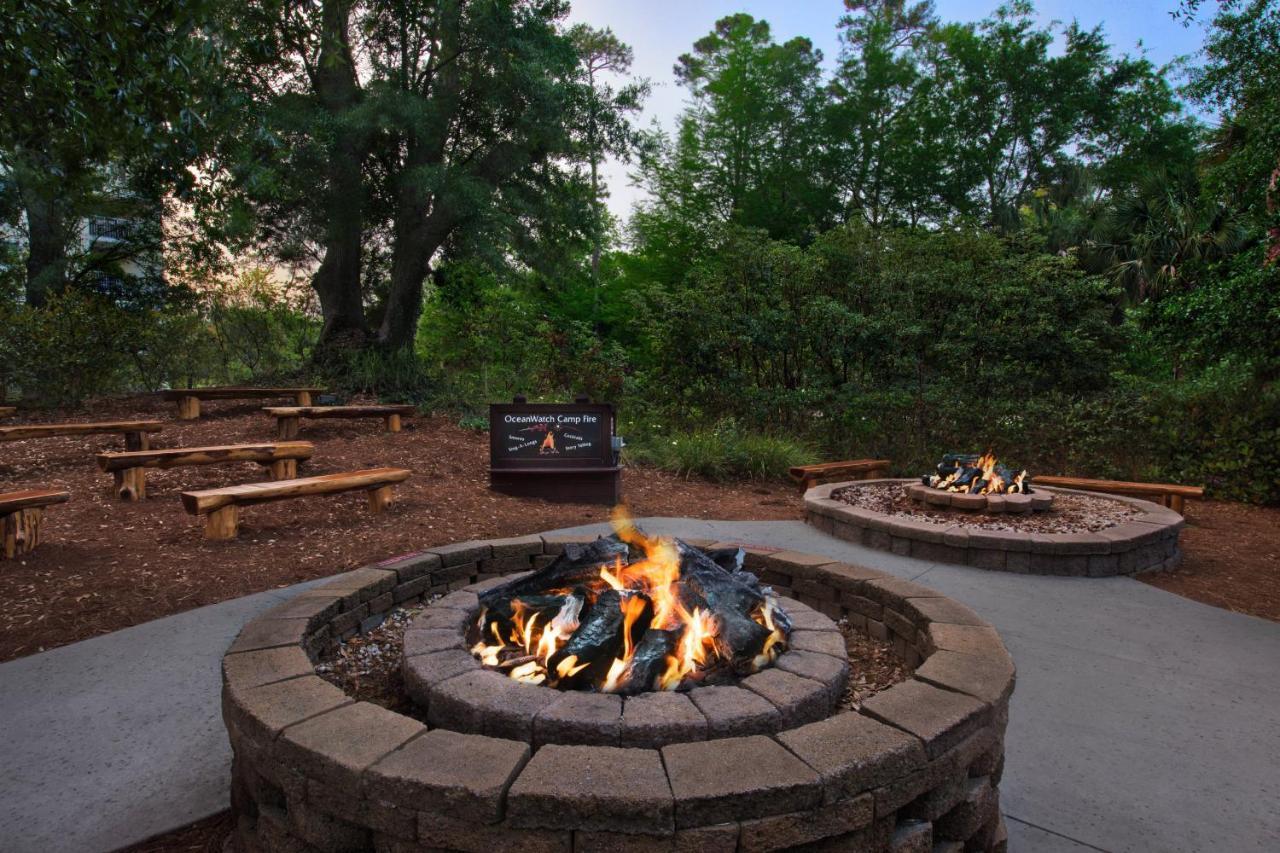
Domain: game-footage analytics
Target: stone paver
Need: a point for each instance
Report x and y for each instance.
(737, 778)
(465, 775)
(118, 738)
(854, 753)
(596, 788)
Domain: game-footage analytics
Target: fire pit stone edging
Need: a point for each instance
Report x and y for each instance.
(803, 685)
(917, 764)
(1145, 543)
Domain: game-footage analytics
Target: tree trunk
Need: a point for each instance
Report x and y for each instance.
(46, 231)
(47, 250)
(337, 281)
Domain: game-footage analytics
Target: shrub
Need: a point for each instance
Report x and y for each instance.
(721, 453)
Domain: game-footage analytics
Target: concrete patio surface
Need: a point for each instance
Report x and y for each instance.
(1141, 721)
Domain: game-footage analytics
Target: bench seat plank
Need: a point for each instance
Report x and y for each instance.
(287, 416)
(809, 476)
(370, 411)
(228, 392)
(27, 498)
(1121, 486)
(16, 433)
(246, 494)
(134, 432)
(22, 517)
(1171, 495)
(129, 468)
(189, 398)
(181, 457)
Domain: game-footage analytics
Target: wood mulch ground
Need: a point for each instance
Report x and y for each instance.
(1230, 558)
(106, 564)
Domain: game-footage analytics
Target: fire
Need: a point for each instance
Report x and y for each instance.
(682, 633)
(979, 475)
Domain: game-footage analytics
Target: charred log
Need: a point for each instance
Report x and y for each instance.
(650, 660)
(579, 565)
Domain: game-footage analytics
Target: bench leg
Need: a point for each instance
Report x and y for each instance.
(188, 408)
(136, 441)
(303, 398)
(1176, 504)
(393, 423)
(287, 428)
(21, 531)
(131, 484)
(380, 498)
(284, 469)
(223, 523)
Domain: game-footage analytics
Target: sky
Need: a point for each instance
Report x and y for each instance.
(660, 30)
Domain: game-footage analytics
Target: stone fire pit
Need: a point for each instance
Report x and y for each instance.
(932, 525)
(765, 764)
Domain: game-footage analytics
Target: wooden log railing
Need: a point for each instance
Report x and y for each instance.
(222, 506)
(22, 517)
(129, 468)
(189, 398)
(287, 417)
(134, 432)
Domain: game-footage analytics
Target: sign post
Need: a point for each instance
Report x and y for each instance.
(555, 451)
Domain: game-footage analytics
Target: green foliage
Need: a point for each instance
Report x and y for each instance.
(394, 376)
(1241, 81)
(722, 452)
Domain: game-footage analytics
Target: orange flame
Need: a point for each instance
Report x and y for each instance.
(654, 580)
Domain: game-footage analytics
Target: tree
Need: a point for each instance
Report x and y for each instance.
(888, 131)
(102, 99)
(600, 54)
(1022, 115)
(1240, 80)
(452, 108)
(748, 149)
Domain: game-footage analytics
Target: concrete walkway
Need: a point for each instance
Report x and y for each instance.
(1141, 721)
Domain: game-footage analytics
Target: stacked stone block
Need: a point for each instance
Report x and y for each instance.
(917, 766)
(1146, 542)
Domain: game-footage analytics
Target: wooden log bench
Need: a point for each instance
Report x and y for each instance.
(6, 411)
(134, 432)
(130, 468)
(222, 506)
(287, 416)
(809, 476)
(21, 516)
(189, 398)
(1168, 494)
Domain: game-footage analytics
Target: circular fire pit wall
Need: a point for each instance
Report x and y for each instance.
(1145, 541)
(529, 767)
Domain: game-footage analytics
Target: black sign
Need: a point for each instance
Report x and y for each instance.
(571, 434)
(538, 434)
(554, 451)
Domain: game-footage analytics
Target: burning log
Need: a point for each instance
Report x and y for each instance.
(579, 565)
(978, 475)
(650, 660)
(628, 614)
(616, 620)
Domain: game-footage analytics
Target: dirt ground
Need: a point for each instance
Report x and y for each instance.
(106, 564)
(1230, 558)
